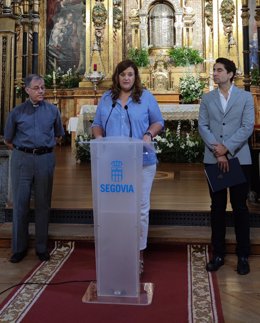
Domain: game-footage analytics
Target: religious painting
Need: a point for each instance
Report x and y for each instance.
(65, 35)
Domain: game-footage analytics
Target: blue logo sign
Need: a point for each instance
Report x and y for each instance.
(117, 176)
(116, 171)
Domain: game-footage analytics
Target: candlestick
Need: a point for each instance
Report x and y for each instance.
(245, 3)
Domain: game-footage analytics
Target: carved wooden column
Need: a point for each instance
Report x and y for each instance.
(7, 52)
(135, 26)
(245, 21)
(257, 19)
(35, 38)
(208, 13)
(188, 22)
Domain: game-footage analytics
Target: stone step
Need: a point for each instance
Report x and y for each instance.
(157, 234)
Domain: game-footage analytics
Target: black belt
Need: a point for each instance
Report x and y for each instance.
(35, 151)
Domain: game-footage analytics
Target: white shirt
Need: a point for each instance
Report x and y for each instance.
(223, 100)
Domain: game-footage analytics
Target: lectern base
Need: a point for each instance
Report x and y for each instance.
(145, 297)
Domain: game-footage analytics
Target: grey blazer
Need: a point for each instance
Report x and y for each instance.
(231, 128)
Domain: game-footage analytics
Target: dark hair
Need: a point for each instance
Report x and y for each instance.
(229, 65)
(137, 87)
(29, 78)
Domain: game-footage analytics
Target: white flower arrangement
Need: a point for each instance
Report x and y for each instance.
(191, 88)
(68, 80)
(180, 145)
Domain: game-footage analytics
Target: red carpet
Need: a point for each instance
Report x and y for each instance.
(183, 291)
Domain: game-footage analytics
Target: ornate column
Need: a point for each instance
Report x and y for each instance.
(35, 36)
(144, 30)
(7, 54)
(188, 21)
(178, 25)
(7, 7)
(208, 13)
(25, 40)
(257, 19)
(245, 21)
(135, 26)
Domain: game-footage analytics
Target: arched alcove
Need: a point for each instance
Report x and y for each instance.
(161, 26)
(144, 17)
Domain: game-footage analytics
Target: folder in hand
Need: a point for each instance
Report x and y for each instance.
(219, 180)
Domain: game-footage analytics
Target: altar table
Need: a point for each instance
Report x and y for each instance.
(169, 111)
(81, 123)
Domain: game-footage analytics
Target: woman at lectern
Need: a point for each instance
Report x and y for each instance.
(129, 110)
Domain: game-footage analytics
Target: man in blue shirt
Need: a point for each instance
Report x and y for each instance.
(31, 132)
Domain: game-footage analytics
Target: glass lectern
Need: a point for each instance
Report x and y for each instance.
(116, 168)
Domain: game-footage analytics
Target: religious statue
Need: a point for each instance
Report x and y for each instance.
(160, 76)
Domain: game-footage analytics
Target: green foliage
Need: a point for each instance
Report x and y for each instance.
(70, 79)
(82, 148)
(20, 91)
(191, 88)
(255, 76)
(139, 56)
(184, 56)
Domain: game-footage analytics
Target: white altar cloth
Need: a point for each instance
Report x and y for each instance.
(73, 124)
(169, 111)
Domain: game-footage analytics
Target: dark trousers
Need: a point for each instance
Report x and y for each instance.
(238, 199)
(27, 171)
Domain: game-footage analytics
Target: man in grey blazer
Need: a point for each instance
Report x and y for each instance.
(226, 121)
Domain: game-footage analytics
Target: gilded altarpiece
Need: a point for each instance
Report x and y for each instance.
(203, 21)
(81, 34)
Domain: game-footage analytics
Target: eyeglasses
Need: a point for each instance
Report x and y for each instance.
(37, 88)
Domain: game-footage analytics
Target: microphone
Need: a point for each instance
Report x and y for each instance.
(105, 128)
(129, 120)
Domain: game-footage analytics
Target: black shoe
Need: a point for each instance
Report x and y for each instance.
(215, 264)
(17, 257)
(243, 266)
(43, 256)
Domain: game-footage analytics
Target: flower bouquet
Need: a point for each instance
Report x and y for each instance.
(191, 88)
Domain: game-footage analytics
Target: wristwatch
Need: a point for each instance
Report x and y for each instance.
(148, 133)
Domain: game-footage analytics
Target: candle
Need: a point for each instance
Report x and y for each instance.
(245, 3)
(54, 76)
(95, 67)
